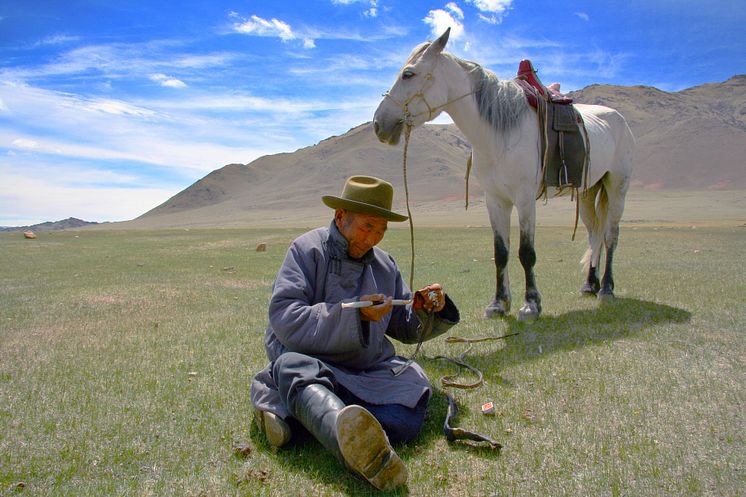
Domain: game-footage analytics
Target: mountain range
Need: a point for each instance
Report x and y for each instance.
(64, 224)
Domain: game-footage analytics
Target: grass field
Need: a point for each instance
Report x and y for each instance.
(125, 360)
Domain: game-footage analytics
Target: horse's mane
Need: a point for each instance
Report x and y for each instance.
(500, 103)
(418, 50)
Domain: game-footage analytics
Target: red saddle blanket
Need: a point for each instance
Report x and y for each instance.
(534, 88)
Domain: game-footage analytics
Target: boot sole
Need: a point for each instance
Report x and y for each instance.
(274, 428)
(366, 449)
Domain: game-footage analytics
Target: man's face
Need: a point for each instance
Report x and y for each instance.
(362, 231)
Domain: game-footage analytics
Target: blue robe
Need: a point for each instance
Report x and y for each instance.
(306, 316)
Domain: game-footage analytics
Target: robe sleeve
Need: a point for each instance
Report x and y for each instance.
(320, 329)
(406, 324)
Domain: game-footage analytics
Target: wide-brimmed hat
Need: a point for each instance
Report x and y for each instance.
(367, 195)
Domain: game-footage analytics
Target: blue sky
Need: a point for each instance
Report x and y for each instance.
(108, 108)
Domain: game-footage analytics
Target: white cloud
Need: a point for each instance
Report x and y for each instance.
(439, 20)
(196, 134)
(167, 81)
(36, 196)
(491, 11)
(120, 61)
(261, 27)
(274, 27)
(583, 16)
(75, 127)
(116, 107)
(372, 11)
(24, 143)
(56, 40)
(494, 6)
(455, 10)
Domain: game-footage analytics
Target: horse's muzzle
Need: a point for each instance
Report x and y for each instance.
(388, 134)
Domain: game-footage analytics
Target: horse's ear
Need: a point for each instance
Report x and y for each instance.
(441, 42)
(438, 45)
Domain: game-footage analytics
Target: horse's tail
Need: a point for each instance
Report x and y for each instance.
(598, 228)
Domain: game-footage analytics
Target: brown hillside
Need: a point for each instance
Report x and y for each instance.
(436, 169)
(694, 139)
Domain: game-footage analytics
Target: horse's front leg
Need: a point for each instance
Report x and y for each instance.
(531, 308)
(500, 220)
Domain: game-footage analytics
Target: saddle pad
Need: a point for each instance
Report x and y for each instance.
(565, 118)
(564, 127)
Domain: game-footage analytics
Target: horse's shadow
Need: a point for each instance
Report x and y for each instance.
(610, 320)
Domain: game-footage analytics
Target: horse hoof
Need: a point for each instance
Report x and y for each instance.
(498, 310)
(606, 295)
(493, 313)
(589, 290)
(528, 313)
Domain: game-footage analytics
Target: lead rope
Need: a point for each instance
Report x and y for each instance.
(451, 432)
(407, 133)
(422, 331)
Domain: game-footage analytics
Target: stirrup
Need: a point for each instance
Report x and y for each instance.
(275, 429)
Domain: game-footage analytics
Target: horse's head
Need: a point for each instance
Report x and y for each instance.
(415, 97)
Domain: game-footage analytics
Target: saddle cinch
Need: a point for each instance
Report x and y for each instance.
(564, 155)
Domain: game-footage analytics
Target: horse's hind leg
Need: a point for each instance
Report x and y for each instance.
(500, 219)
(594, 226)
(607, 282)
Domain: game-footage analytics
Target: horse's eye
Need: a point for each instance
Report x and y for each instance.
(407, 74)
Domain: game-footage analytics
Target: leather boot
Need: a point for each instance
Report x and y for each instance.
(352, 434)
(275, 429)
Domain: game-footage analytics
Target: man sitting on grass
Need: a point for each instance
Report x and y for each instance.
(332, 367)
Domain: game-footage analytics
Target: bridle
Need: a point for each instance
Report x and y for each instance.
(407, 117)
(408, 121)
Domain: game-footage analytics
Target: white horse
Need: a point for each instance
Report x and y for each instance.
(496, 118)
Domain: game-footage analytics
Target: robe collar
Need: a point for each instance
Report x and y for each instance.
(338, 246)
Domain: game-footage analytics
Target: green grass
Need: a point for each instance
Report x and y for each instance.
(126, 357)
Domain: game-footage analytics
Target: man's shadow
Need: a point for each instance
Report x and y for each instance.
(305, 455)
(610, 320)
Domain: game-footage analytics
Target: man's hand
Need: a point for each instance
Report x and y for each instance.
(431, 298)
(377, 311)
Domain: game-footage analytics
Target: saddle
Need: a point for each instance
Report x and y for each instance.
(564, 155)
